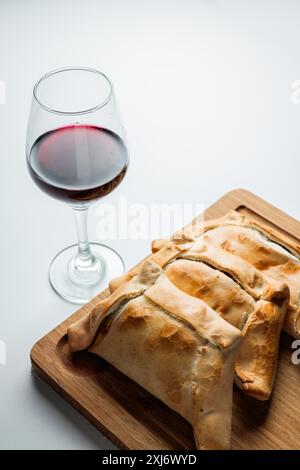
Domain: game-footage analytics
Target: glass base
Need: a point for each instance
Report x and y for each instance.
(109, 265)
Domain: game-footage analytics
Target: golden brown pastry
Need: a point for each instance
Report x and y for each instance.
(260, 318)
(221, 248)
(250, 241)
(257, 362)
(172, 324)
(168, 251)
(261, 246)
(172, 344)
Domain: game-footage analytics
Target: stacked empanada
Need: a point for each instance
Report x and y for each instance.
(204, 309)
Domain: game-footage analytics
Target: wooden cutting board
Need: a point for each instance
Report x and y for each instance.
(132, 418)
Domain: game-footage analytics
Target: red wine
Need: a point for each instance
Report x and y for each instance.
(78, 163)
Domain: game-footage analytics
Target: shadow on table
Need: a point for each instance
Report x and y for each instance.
(71, 414)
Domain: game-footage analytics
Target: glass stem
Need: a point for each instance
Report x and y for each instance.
(84, 257)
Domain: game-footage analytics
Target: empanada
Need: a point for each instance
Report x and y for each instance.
(260, 245)
(174, 324)
(172, 344)
(261, 327)
(260, 318)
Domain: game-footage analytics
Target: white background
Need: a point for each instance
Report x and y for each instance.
(204, 88)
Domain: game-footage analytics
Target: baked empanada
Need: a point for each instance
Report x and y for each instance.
(259, 318)
(174, 324)
(240, 255)
(261, 246)
(172, 344)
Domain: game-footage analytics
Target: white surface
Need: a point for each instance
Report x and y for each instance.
(204, 88)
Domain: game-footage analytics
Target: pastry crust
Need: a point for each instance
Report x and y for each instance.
(172, 344)
(84, 331)
(260, 245)
(260, 320)
(174, 324)
(169, 251)
(252, 280)
(239, 251)
(275, 257)
(219, 291)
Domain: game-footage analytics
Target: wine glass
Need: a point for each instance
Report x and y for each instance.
(77, 153)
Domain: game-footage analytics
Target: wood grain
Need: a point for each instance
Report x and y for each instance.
(132, 418)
